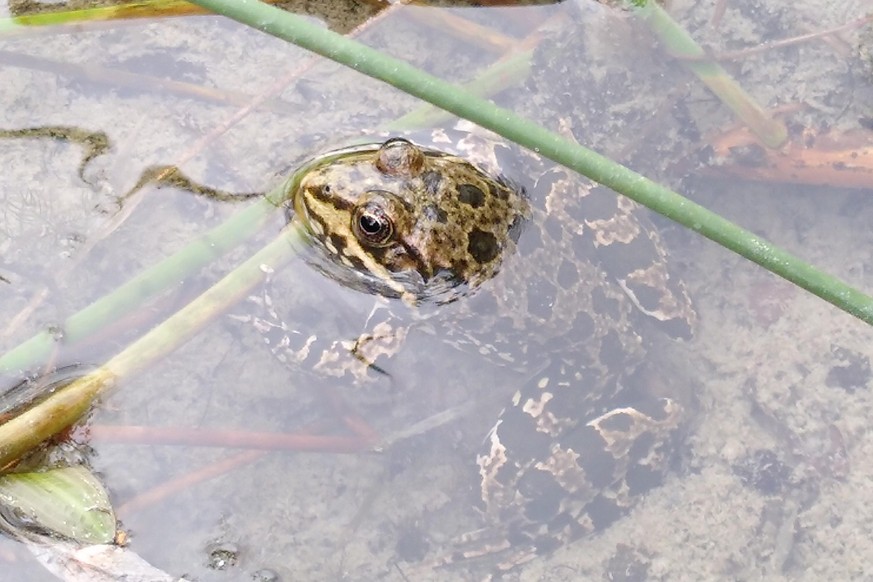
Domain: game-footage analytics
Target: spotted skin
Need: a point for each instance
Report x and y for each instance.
(446, 235)
(538, 271)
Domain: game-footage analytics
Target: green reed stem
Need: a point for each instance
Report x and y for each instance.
(497, 77)
(149, 283)
(681, 45)
(513, 127)
(66, 406)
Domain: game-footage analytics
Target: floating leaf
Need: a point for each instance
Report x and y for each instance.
(69, 502)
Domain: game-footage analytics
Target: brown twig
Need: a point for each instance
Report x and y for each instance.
(775, 44)
(184, 482)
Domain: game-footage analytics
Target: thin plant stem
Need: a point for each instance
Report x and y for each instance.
(659, 198)
(68, 404)
(681, 45)
(149, 283)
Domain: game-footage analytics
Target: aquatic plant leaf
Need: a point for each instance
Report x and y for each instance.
(69, 503)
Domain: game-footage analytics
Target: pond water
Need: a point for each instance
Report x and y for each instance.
(772, 478)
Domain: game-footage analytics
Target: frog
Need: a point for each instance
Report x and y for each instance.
(529, 266)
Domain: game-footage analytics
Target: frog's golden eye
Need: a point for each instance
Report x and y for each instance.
(372, 225)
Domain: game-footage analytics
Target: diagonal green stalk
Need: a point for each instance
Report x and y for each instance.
(68, 404)
(513, 127)
(505, 72)
(680, 45)
(149, 283)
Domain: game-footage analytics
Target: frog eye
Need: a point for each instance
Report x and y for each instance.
(372, 225)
